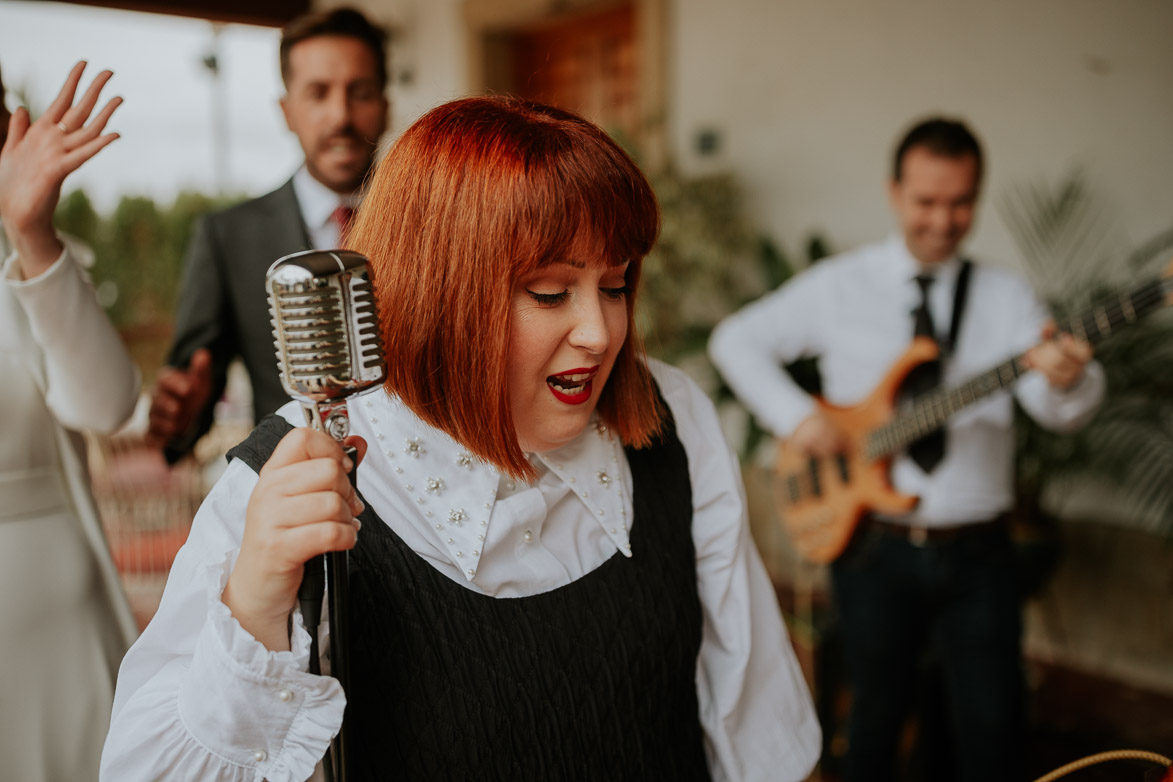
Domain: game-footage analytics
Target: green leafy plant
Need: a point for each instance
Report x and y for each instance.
(138, 251)
(708, 263)
(1072, 249)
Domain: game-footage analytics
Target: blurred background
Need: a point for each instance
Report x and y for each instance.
(767, 128)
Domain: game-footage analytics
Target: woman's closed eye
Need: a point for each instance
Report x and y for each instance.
(548, 299)
(614, 294)
(552, 299)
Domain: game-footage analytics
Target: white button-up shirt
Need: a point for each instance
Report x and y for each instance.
(317, 204)
(854, 312)
(199, 699)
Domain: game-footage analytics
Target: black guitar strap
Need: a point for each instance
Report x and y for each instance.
(959, 297)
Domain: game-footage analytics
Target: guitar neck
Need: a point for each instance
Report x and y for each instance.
(931, 411)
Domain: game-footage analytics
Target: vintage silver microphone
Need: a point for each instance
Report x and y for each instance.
(326, 331)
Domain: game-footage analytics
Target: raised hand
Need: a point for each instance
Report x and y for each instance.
(37, 158)
(302, 506)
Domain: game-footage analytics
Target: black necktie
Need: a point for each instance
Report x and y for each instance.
(928, 450)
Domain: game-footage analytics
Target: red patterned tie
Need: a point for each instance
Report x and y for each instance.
(342, 217)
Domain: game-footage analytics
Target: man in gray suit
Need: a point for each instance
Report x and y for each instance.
(333, 65)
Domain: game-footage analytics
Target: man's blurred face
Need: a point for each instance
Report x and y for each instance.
(335, 106)
(934, 201)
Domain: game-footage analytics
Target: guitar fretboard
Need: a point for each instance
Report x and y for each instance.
(930, 411)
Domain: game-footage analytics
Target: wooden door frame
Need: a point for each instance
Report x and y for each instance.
(484, 18)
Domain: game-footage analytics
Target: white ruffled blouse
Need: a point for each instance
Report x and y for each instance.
(199, 699)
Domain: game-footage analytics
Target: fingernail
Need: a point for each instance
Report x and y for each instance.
(357, 524)
(347, 464)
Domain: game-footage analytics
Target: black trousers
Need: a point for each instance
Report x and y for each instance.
(895, 599)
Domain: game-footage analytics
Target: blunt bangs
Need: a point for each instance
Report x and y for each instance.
(475, 194)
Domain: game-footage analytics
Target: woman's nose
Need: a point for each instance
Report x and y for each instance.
(590, 330)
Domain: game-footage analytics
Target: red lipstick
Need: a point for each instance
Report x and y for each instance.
(573, 386)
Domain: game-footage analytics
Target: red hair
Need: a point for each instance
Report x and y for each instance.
(475, 194)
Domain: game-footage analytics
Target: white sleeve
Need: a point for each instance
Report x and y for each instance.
(91, 382)
(198, 698)
(750, 346)
(755, 708)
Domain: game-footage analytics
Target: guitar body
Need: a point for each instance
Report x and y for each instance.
(822, 500)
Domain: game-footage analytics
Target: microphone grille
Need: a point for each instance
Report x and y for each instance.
(325, 325)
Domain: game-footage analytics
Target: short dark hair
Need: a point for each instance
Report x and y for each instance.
(940, 136)
(337, 21)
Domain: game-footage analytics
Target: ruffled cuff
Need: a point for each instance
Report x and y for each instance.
(254, 707)
(11, 273)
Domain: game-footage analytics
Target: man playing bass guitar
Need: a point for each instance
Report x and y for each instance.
(938, 570)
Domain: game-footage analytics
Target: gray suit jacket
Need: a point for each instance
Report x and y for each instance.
(223, 304)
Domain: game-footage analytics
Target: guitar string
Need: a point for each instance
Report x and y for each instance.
(934, 409)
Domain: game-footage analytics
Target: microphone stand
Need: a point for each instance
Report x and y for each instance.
(333, 418)
(325, 329)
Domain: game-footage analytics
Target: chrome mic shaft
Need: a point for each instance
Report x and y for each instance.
(326, 332)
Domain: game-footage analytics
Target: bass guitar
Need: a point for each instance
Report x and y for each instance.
(821, 501)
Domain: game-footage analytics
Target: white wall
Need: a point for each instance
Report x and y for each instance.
(429, 53)
(809, 98)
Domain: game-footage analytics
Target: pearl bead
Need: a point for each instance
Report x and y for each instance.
(527, 536)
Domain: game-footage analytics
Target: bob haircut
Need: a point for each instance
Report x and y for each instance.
(475, 194)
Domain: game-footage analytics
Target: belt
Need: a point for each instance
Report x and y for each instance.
(926, 536)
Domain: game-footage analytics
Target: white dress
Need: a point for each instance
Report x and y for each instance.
(65, 620)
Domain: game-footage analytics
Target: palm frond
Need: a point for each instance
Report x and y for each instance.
(1075, 257)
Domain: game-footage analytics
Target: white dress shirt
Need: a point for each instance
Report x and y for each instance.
(854, 312)
(199, 699)
(317, 203)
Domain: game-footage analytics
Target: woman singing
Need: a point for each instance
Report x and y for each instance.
(554, 577)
